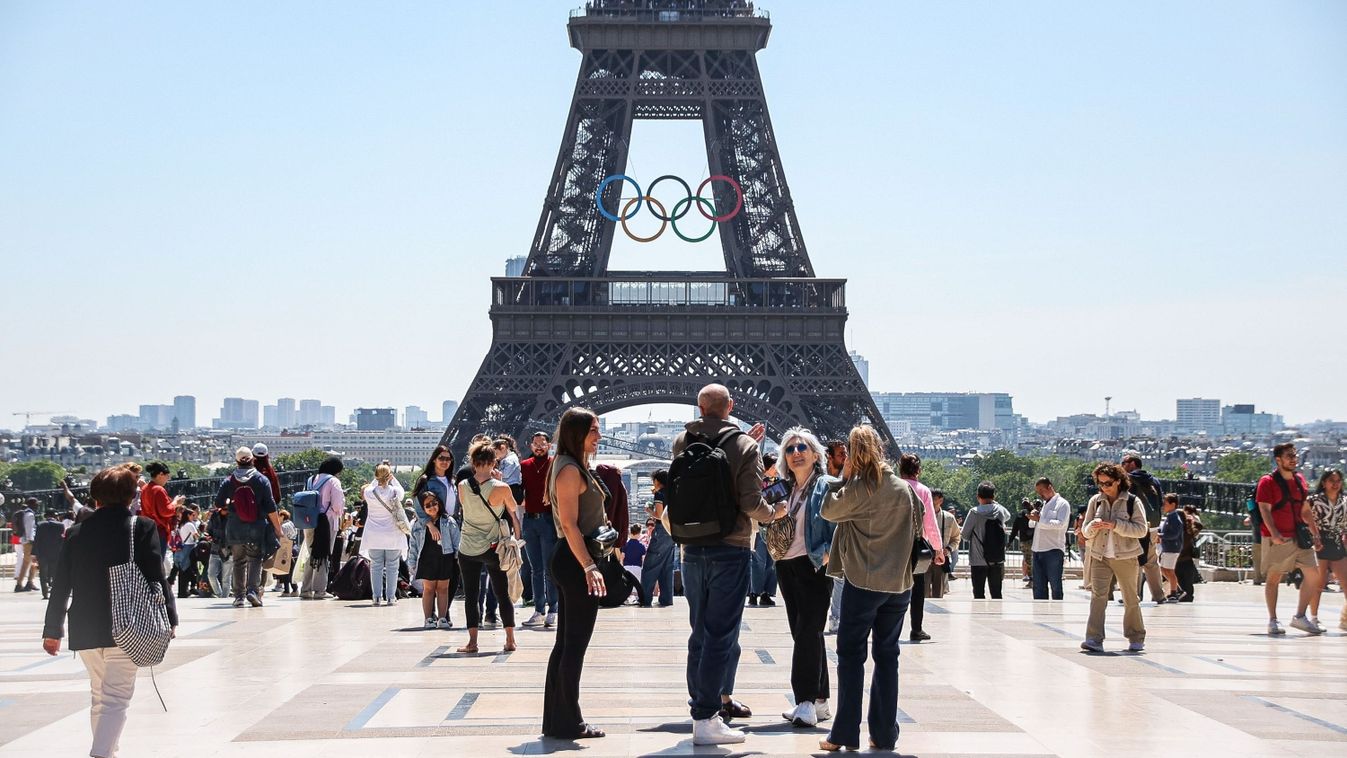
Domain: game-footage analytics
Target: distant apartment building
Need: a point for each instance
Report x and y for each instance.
(310, 413)
(156, 417)
(1242, 419)
(402, 448)
(447, 411)
(329, 415)
(515, 266)
(237, 413)
(946, 411)
(415, 418)
(1198, 414)
(184, 412)
(375, 419)
(287, 413)
(862, 367)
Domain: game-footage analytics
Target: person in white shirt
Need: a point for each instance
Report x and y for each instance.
(385, 535)
(1049, 523)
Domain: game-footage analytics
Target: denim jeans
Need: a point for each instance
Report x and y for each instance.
(659, 568)
(220, 574)
(835, 610)
(540, 542)
(247, 567)
(1048, 570)
(383, 573)
(715, 581)
(863, 612)
(762, 577)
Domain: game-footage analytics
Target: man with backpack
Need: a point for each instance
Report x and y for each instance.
(1290, 537)
(1151, 492)
(248, 496)
(715, 496)
(985, 528)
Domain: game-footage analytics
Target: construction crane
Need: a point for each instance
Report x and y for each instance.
(28, 416)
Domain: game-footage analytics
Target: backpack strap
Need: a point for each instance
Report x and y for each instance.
(1286, 489)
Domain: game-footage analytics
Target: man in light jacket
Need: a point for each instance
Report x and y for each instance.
(1114, 523)
(975, 524)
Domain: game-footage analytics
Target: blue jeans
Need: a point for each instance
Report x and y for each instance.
(540, 542)
(762, 577)
(1048, 568)
(715, 581)
(659, 568)
(864, 611)
(383, 573)
(835, 610)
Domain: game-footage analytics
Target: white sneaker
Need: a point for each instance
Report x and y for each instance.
(1093, 646)
(713, 731)
(378, 602)
(535, 620)
(1274, 628)
(805, 714)
(431, 623)
(822, 709)
(1315, 620)
(1136, 647)
(1303, 624)
(551, 620)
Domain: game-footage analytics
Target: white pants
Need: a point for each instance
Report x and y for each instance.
(112, 681)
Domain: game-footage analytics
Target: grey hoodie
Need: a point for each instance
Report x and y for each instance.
(972, 528)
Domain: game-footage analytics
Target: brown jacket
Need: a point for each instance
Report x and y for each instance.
(746, 465)
(872, 548)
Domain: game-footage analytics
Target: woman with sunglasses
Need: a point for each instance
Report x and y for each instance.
(1114, 523)
(800, 571)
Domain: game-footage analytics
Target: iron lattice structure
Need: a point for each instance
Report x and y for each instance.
(570, 332)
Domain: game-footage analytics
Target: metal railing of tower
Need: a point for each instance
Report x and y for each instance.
(668, 11)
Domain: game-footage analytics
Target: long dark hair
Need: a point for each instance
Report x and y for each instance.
(429, 469)
(572, 430)
(1324, 477)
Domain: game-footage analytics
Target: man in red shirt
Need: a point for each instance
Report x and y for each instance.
(540, 532)
(1281, 498)
(155, 503)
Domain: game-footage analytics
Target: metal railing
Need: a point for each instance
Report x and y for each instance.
(669, 291)
(668, 11)
(199, 492)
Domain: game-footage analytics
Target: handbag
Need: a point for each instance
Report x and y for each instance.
(601, 542)
(282, 560)
(140, 625)
(617, 583)
(780, 534)
(922, 553)
(399, 518)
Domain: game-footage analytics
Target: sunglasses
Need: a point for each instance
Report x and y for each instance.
(1107, 482)
(445, 458)
(799, 447)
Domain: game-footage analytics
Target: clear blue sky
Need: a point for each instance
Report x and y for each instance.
(1059, 200)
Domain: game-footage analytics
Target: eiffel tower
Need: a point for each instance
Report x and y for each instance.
(570, 332)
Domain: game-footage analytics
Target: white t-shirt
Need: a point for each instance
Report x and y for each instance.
(797, 501)
(187, 532)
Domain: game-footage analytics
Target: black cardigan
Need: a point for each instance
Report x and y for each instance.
(90, 549)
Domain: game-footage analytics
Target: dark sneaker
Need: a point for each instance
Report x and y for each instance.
(766, 601)
(753, 600)
(254, 599)
(920, 636)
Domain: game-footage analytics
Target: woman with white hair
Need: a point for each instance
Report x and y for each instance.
(799, 543)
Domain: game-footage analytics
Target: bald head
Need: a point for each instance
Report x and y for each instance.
(714, 401)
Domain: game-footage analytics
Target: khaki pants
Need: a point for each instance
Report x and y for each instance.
(1259, 575)
(112, 681)
(23, 565)
(1103, 571)
(1154, 579)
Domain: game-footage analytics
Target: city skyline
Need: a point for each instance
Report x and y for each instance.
(1042, 190)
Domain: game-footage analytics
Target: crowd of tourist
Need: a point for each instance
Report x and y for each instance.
(855, 543)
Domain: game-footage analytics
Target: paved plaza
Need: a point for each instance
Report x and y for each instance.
(1006, 677)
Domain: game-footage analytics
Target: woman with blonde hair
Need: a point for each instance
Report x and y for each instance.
(878, 516)
(385, 535)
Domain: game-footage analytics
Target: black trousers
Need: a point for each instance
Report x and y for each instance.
(988, 575)
(808, 593)
(1186, 570)
(470, 566)
(575, 627)
(917, 610)
(45, 569)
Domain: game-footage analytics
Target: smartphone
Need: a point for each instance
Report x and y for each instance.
(776, 492)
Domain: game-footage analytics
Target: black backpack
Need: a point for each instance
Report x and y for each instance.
(993, 540)
(702, 506)
(1145, 541)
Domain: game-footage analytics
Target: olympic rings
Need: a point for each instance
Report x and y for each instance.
(704, 206)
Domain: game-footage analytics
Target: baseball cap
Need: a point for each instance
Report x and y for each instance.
(243, 455)
(260, 450)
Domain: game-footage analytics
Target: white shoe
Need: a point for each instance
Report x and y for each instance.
(1315, 620)
(823, 710)
(431, 623)
(393, 600)
(1303, 624)
(551, 620)
(713, 731)
(1274, 628)
(535, 620)
(378, 602)
(805, 714)
(1092, 646)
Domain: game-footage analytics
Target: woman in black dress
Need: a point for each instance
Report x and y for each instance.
(435, 567)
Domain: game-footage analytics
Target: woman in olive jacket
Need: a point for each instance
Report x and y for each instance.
(878, 516)
(91, 548)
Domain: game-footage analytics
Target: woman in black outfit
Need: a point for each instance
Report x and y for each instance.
(578, 510)
(90, 549)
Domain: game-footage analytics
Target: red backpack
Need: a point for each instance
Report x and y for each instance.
(244, 502)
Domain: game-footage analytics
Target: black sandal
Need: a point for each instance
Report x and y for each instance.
(590, 732)
(734, 710)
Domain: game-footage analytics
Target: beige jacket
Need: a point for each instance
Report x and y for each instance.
(746, 464)
(1126, 532)
(872, 548)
